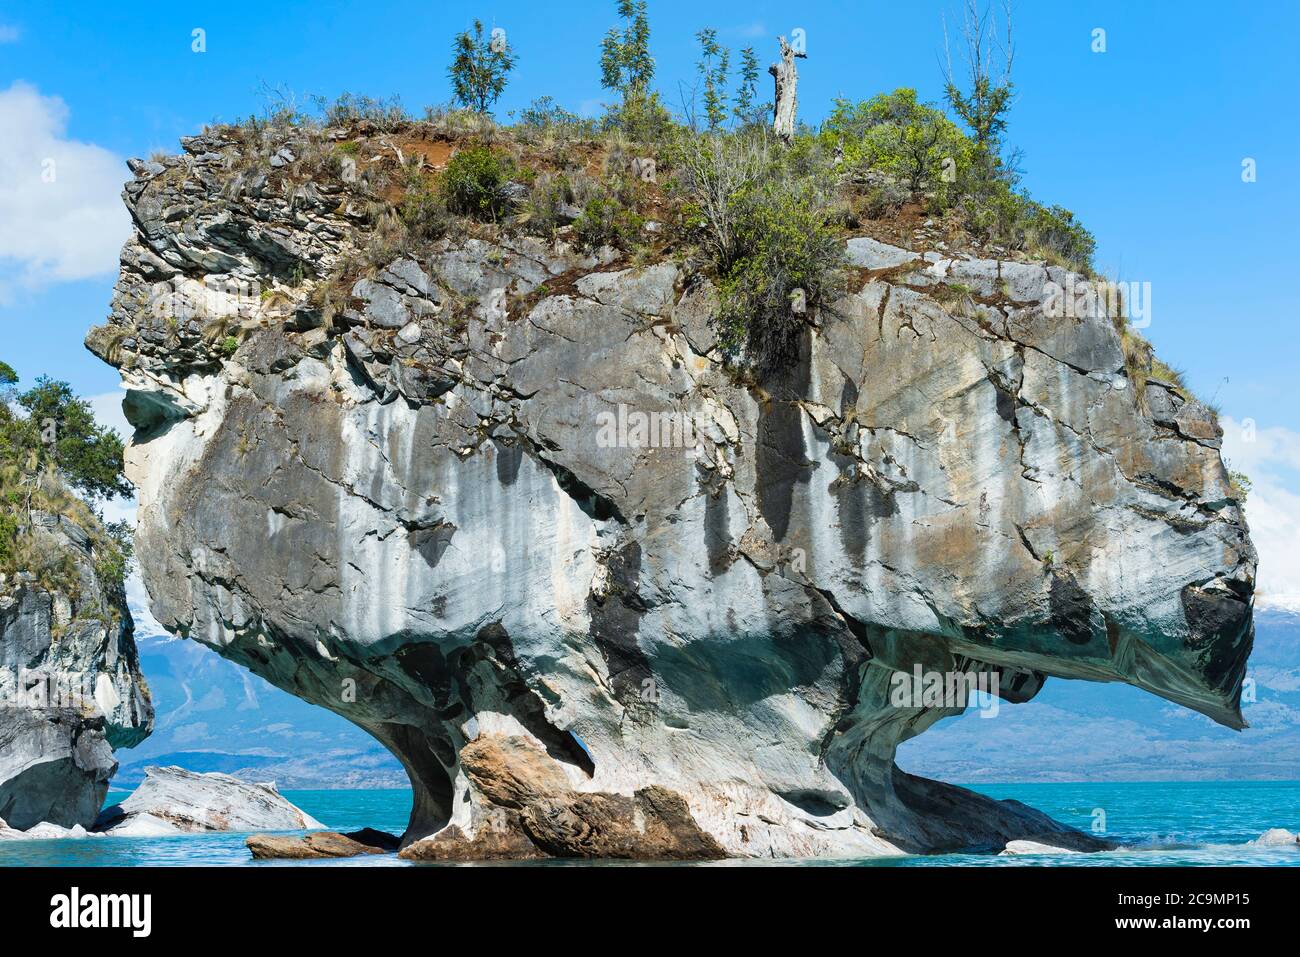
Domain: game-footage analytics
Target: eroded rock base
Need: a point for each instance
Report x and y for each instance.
(524, 809)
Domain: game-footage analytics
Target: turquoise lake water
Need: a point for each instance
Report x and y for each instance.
(1160, 823)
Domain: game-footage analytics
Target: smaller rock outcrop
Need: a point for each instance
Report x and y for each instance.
(1021, 848)
(1277, 837)
(43, 832)
(175, 801)
(321, 844)
(70, 684)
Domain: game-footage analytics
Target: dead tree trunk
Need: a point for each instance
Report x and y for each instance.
(787, 79)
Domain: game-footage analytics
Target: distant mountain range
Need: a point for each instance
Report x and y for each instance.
(1089, 731)
(215, 716)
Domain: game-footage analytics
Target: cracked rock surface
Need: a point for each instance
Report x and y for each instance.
(410, 515)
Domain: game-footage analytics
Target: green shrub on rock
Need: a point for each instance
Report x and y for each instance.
(910, 141)
(423, 210)
(607, 221)
(1054, 234)
(788, 249)
(764, 218)
(473, 182)
(60, 430)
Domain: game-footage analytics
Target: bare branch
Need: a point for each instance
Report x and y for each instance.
(1009, 52)
(947, 51)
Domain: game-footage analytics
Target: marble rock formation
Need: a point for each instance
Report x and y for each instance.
(509, 509)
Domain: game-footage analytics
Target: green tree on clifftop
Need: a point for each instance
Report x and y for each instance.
(60, 430)
(480, 67)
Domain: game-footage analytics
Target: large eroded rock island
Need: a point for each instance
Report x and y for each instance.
(418, 493)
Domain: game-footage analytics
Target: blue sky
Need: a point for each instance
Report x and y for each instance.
(1145, 142)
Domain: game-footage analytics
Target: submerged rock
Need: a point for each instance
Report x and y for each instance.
(1021, 848)
(53, 832)
(70, 684)
(189, 802)
(1277, 837)
(136, 825)
(510, 502)
(321, 844)
(43, 832)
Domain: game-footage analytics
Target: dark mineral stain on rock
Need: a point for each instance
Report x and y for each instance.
(1112, 634)
(1006, 403)
(509, 457)
(431, 542)
(717, 532)
(858, 502)
(848, 397)
(615, 621)
(1071, 609)
(850, 503)
(1222, 632)
(782, 460)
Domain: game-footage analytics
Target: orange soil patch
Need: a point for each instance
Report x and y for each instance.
(435, 154)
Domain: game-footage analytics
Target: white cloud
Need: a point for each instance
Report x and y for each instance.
(1274, 448)
(9, 34)
(1270, 457)
(1277, 679)
(59, 202)
(108, 411)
